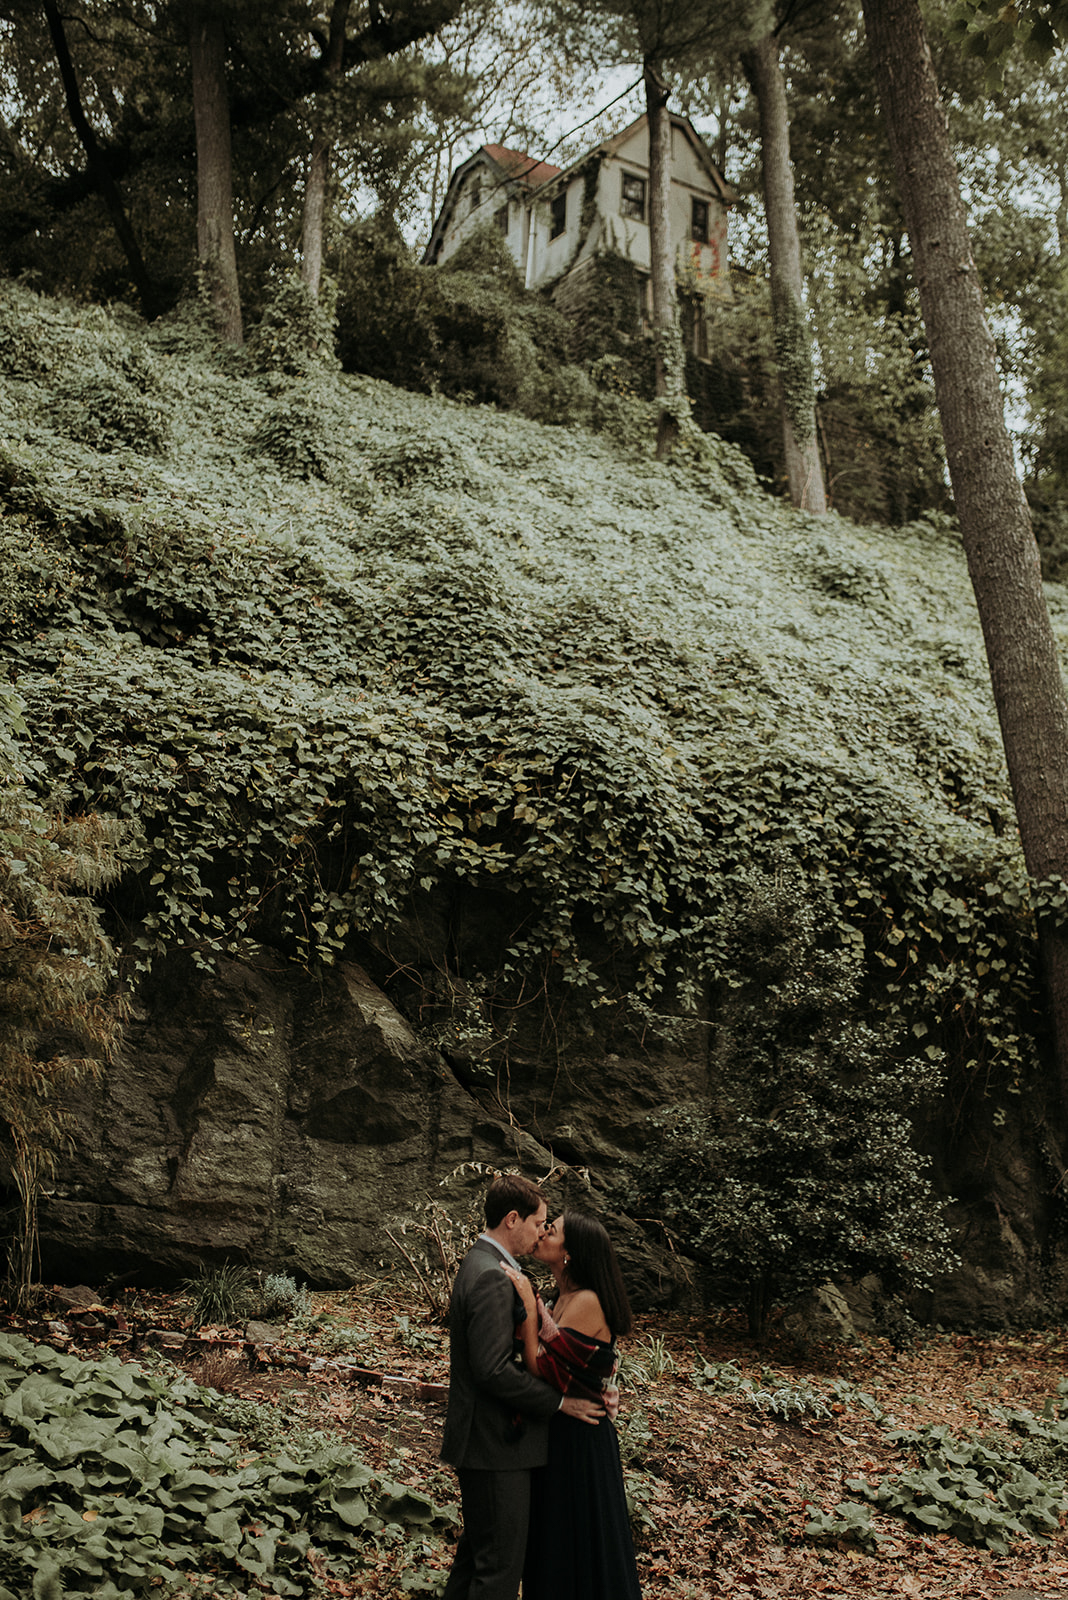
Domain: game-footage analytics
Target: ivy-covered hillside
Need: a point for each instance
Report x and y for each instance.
(336, 650)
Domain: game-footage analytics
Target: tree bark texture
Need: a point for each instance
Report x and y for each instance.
(215, 203)
(793, 343)
(995, 522)
(148, 292)
(667, 335)
(314, 214)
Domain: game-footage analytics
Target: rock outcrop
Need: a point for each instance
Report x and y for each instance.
(258, 1114)
(261, 1115)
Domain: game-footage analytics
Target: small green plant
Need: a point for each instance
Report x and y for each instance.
(847, 1394)
(645, 1363)
(224, 1294)
(968, 1489)
(1045, 1438)
(641, 1500)
(634, 1434)
(717, 1377)
(342, 1339)
(791, 1401)
(421, 1341)
(279, 1295)
(849, 1522)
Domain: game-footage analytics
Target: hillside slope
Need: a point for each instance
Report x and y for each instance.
(360, 664)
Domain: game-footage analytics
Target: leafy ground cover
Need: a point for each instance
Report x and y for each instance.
(329, 646)
(746, 1468)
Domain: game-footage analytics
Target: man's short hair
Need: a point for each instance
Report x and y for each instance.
(510, 1192)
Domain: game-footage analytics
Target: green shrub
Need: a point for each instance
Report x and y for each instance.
(280, 1295)
(296, 332)
(110, 412)
(800, 1166)
(467, 329)
(385, 309)
(295, 435)
(59, 1025)
(221, 1295)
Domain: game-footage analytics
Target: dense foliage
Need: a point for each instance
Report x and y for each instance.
(58, 1019)
(800, 1168)
(118, 1481)
(426, 650)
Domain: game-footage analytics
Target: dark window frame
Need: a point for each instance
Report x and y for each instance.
(558, 215)
(700, 220)
(632, 204)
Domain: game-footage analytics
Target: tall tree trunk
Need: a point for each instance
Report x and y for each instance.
(311, 266)
(793, 344)
(148, 292)
(215, 201)
(995, 523)
(667, 336)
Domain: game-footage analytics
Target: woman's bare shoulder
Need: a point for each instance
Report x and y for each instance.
(585, 1313)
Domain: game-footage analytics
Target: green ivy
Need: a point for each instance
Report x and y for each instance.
(471, 654)
(793, 357)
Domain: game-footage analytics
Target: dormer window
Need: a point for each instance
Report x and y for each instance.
(632, 199)
(558, 215)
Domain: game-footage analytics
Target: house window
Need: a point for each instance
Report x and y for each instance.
(558, 215)
(699, 221)
(632, 200)
(501, 219)
(476, 195)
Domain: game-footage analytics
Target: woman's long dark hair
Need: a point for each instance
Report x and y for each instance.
(593, 1265)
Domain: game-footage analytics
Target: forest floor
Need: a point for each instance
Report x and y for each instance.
(724, 1489)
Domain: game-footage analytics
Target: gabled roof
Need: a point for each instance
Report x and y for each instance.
(505, 166)
(727, 194)
(519, 167)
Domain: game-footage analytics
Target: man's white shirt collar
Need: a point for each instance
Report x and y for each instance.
(507, 1254)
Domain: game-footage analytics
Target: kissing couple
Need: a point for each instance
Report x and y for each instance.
(529, 1426)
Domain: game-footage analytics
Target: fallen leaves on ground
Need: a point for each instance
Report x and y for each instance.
(727, 1489)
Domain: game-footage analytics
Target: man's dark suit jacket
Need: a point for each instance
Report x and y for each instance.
(487, 1387)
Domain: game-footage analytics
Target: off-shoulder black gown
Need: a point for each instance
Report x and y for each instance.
(579, 1546)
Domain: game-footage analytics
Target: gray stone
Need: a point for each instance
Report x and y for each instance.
(78, 1297)
(264, 1333)
(821, 1315)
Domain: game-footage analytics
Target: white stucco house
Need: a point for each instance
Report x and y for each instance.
(558, 222)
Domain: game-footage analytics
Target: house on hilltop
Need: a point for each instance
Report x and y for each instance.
(559, 223)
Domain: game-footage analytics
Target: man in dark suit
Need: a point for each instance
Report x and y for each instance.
(497, 1422)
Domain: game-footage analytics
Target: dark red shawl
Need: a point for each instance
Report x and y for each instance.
(574, 1363)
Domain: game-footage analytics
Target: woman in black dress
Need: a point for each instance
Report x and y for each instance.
(579, 1546)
